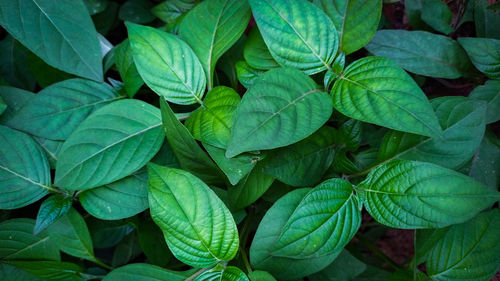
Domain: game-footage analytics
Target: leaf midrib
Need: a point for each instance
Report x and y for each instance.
(27, 247)
(25, 178)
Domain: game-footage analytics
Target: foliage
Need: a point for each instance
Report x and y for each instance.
(248, 140)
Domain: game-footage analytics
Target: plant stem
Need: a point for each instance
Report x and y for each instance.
(197, 273)
(245, 260)
(377, 251)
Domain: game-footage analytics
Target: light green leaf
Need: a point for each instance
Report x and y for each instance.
(113, 142)
(297, 33)
(356, 20)
(220, 273)
(259, 275)
(412, 195)
(249, 189)
(437, 15)
(476, 257)
(422, 53)
(60, 32)
(56, 111)
(51, 270)
(24, 170)
(323, 222)
(117, 200)
(344, 268)
(267, 116)
(72, 236)
(156, 56)
(145, 272)
(51, 210)
(170, 10)
(463, 122)
(211, 123)
(191, 157)
(17, 242)
(246, 74)
(212, 27)
(267, 235)
(256, 53)
(484, 54)
(234, 168)
(199, 229)
(489, 92)
(485, 165)
(124, 60)
(376, 90)
(303, 163)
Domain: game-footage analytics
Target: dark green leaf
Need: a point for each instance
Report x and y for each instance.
(344, 268)
(127, 250)
(221, 273)
(12, 273)
(168, 11)
(14, 98)
(51, 270)
(249, 189)
(145, 272)
(259, 275)
(107, 234)
(484, 54)
(489, 92)
(485, 166)
(437, 15)
(256, 53)
(51, 210)
(13, 64)
(132, 81)
(153, 243)
(485, 20)
(246, 74)
(96, 6)
(137, 11)
(235, 168)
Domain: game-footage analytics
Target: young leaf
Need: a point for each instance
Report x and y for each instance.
(376, 90)
(422, 53)
(156, 56)
(297, 33)
(51, 210)
(124, 60)
(145, 272)
(72, 236)
(489, 92)
(17, 242)
(61, 33)
(189, 154)
(256, 53)
(267, 116)
(267, 235)
(117, 200)
(220, 273)
(411, 195)
(211, 123)
(110, 144)
(303, 163)
(212, 27)
(198, 227)
(234, 168)
(463, 122)
(477, 255)
(24, 170)
(356, 20)
(249, 189)
(51, 270)
(324, 222)
(56, 111)
(484, 54)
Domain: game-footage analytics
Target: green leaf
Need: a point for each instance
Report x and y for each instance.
(144, 272)
(45, 75)
(485, 166)
(11, 273)
(127, 250)
(256, 53)
(211, 123)
(227, 63)
(110, 144)
(302, 163)
(56, 111)
(259, 275)
(437, 15)
(3, 106)
(170, 10)
(156, 54)
(246, 74)
(13, 64)
(51, 270)
(153, 244)
(220, 273)
(463, 122)
(468, 251)
(267, 116)
(72, 236)
(191, 157)
(117, 200)
(484, 54)
(96, 6)
(344, 268)
(323, 222)
(349, 135)
(107, 234)
(485, 20)
(297, 33)
(17, 242)
(249, 189)
(489, 92)
(51, 210)
(422, 53)
(376, 90)
(137, 11)
(411, 195)
(24, 170)
(124, 59)
(267, 235)
(14, 98)
(212, 27)
(61, 33)
(235, 168)
(51, 149)
(356, 20)
(199, 229)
